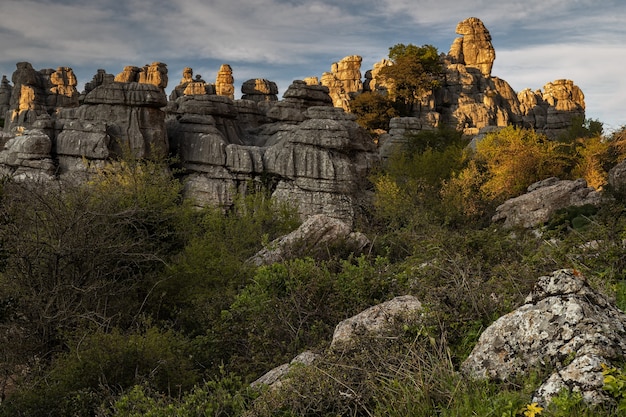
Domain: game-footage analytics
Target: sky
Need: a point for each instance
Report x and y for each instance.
(536, 41)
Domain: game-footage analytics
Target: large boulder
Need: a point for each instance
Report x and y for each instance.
(564, 325)
(317, 235)
(543, 200)
(376, 320)
(275, 378)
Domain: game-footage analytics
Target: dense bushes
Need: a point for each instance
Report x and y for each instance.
(117, 298)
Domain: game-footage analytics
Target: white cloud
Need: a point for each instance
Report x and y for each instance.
(595, 68)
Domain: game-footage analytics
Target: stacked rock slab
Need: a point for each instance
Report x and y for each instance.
(39, 93)
(114, 118)
(224, 82)
(312, 157)
(259, 89)
(27, 156)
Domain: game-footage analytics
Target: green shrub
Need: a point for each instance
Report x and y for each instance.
(226, 396)
(292, 306)
(99, 365)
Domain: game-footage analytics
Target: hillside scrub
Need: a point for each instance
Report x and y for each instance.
(118, 298)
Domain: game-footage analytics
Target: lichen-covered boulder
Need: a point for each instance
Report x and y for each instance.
(563, 325)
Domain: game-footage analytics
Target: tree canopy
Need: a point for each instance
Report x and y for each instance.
(415, 71)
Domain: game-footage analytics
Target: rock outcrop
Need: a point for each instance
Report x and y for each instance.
(27, 156)
(114, 118)
(277, 376)
(343, 80)
(563, 325)
(259, 89)
(5, 96)
(474, 48)
(188, 86)
(224, 82)
(470, 98)
(543, 199)
(39, 93)
(617, 177)
(315, 156)
(318, 235)
(154, 74)
(376, 321)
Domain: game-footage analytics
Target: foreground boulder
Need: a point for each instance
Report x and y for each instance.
(543, 200)
(276, 377)
(564, 325)
(376, 320)
(379, 320)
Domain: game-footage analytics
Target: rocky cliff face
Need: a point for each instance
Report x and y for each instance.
(309, 154)
(343, 80)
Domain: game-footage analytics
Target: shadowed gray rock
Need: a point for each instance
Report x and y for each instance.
(564, 325)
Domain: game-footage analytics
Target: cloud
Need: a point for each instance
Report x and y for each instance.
(591, 66)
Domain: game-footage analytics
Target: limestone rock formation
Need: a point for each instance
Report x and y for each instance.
(316, 236)
(320, 163)
(114, 117)
(224, 82)
(376, 320)
(5, 96)
(101, 77)
(543, 200)
(259, 89)
(344, 79)
(39, 93)
(130, 74)
(372, 81)
(470, 98)
(564, 325)
(189, 86)
(155, 74)
(399, 127)
(617, 177)
(474, 49)
(63, 92)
